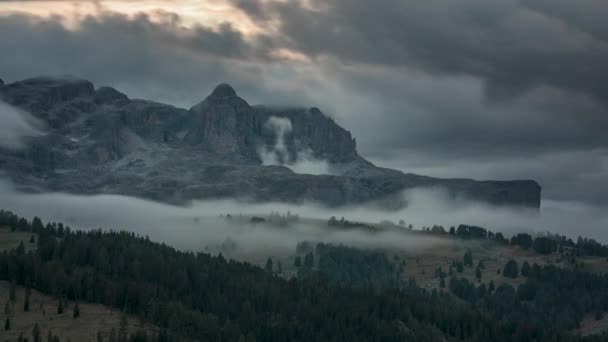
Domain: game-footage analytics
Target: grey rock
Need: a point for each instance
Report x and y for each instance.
(100, 141)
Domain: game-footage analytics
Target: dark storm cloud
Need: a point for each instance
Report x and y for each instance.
(489, 90)
(473, 88)
(510, 45)
(155, 59)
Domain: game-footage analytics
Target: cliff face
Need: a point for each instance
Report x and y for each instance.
(100, 141)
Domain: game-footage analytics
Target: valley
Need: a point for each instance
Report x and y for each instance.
(463, 265)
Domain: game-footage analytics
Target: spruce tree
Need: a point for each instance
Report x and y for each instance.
(36, 333)
(13, 292)
(269, 265)
(76, 313)
(468, 258)
(26, 302)
(60, 307)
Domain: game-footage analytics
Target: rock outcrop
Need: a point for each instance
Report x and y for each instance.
(100, 141)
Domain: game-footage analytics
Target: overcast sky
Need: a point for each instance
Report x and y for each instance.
(506, 89)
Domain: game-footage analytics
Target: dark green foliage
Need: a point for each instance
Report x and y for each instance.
(60, 307)
(471, 232)
(304, 247)
(13, 291)
(76, 311)
(478, 273)
(309, 260)
(551, 297)
(525, 269)
(523, 240)
(356, 267)
(500, 239)
(588, 247)
(297, 262)
(209, 298)
(544, 245)
(21, 248)
(467, 260)
(26, 302)
(36, 333)
(7, 324)
(527, 290)
(511, 270)
(268, 266)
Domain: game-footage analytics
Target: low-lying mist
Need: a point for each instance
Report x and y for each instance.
(304, 161)
(203, 224)
(15, 126)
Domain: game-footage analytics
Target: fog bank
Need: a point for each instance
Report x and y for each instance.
(201, 224)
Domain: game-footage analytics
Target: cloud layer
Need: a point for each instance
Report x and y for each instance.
(16, 126)
(490, 90)
(304, 161)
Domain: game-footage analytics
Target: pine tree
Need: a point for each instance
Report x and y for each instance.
(36, 333)
(525, 269)
(13, 292)
(7, 324)
(112, 337)
(26, 302)
(21, 248)
(76, 313)
(124, 323)
(510, 270)
(269, 265)
(309, 260)
(297, 261)
(60, 307)
(468, 258)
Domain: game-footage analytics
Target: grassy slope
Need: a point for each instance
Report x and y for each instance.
(10, 240)
(43, 310)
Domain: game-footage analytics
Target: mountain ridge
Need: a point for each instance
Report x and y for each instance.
(98, 140)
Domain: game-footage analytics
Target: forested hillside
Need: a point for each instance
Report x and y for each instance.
(198, 296)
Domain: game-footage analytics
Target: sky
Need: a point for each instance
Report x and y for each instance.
(510, 89)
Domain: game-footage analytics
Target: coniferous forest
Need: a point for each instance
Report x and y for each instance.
(196, 296)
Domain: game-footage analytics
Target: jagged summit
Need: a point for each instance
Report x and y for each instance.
(222, 91)
(100, 141)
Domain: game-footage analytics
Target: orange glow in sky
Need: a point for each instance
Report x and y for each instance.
(207, 12)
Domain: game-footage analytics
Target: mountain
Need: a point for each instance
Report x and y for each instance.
(97, 140)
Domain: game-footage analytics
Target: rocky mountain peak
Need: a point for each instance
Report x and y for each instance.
(102, 141)
(222, 91)
(110, 95)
